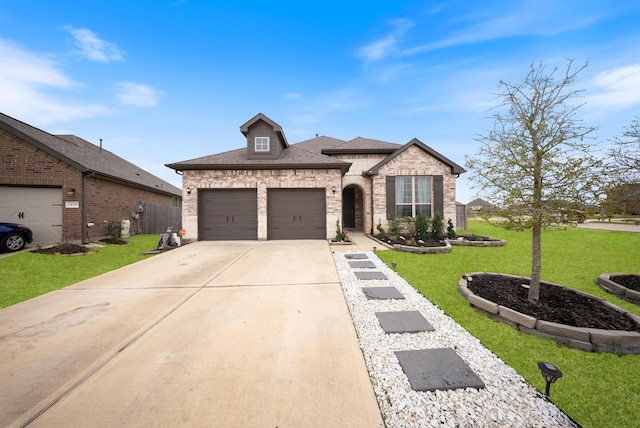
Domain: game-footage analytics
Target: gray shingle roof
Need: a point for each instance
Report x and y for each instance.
(328, 145)
(312, 153)
(87, 157)
(318, 144)
(292, 157)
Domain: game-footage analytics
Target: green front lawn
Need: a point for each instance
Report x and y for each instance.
(597, 390)
(27, 275)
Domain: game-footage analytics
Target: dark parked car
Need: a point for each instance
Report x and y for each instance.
(13, 237)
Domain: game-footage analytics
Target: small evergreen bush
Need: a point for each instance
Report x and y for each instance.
(437, 227)
(422, 226)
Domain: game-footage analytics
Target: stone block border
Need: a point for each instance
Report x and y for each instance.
(605, 282)
(416, 250)
(489, 242)
(588, 339)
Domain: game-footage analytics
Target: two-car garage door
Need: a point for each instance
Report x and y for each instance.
(230, 214)
(40, 208)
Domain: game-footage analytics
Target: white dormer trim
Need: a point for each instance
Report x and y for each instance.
(261, 144)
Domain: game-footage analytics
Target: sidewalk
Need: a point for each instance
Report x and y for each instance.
(360, 242)
(605, 225)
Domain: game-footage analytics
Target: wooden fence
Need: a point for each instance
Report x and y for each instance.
(461, 216)
(157, 218)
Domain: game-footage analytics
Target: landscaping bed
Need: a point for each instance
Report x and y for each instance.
(64, 249)
(472, 240)
(625, 286)
(417, 247)
(569, 316)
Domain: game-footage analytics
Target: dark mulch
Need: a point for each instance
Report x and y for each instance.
(472, 237)
(116, 241)
(65, 249)
(632, 282)
(425, 243)
(556, 304)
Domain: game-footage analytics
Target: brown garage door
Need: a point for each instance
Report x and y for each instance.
(227, 214)
(296, 214)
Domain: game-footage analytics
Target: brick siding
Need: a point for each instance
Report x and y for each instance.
(23, 164)
(260, 180)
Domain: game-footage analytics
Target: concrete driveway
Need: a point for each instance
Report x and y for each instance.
(225, 334)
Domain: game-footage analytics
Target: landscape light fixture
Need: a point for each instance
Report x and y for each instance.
(550, 373)
(71, 191)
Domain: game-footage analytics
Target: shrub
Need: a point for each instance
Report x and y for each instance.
(381, 230)
(422, 226)
(339, 233)
(437, 227)
(394, 228)
(451, 232)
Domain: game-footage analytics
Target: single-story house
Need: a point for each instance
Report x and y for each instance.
(68, 189)
(477, 205)
(271, 189)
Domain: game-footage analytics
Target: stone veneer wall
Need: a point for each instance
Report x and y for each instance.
(260, 180)
(414, 161)
(359, 164)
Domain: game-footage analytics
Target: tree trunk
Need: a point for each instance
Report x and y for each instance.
(536, 265)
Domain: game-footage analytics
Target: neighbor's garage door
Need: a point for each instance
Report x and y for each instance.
(227, 214)
(40, 208)
(296, 214)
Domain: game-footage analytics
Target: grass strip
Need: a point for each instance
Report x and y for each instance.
(27, 275)
(597, 390)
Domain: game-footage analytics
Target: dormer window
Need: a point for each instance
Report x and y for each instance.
(262, 144)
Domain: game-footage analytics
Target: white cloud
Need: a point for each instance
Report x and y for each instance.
(94, 48)
(138, 94)
(616, 88)
(292, 96)
(27, 83)
(388, 44)
(540, 18)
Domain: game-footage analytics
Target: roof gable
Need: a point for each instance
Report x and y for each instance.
(261, 117)
(455, 168)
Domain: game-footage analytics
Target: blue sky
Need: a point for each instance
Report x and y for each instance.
(164, 81)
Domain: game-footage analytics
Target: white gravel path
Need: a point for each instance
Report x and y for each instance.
(507, 399)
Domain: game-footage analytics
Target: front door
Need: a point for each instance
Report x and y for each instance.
(349, 208)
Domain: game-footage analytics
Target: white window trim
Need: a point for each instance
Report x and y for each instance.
(256, 144)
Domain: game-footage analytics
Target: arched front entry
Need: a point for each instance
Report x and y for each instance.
(352, 208)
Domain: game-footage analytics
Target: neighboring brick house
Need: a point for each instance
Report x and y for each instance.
(57, 185)
(272, 190)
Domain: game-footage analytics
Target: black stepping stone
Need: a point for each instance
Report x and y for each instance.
(362, 265)
(433, 369)
(382, 293)
(356, 256)
(403, 322)
(370, 275)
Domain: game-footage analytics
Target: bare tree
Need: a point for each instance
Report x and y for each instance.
(535, 160)
(626, 153)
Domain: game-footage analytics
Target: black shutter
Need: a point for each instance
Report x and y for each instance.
(438, 195)
(391, 196)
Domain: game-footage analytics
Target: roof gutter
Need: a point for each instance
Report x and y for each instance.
(244, 167)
